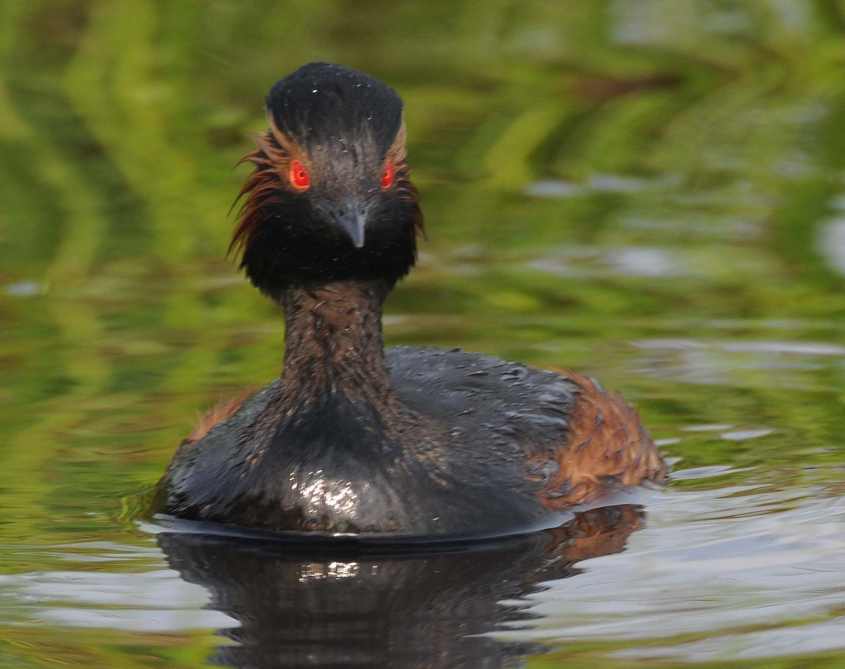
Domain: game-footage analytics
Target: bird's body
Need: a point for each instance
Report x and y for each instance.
(415, 442)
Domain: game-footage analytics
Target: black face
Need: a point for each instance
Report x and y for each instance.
(330, 197)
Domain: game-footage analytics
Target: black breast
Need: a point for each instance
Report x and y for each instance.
(454, 460)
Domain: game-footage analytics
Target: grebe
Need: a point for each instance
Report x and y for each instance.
(353, 439)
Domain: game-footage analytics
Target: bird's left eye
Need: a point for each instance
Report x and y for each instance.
(388, 176)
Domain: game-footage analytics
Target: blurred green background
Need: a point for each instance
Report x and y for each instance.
(650, 192)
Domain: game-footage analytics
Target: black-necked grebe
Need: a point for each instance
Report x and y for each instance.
(353, 439)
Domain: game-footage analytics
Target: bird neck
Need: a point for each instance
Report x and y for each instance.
(333, 341)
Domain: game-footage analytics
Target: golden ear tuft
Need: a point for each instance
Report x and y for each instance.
(272, 159)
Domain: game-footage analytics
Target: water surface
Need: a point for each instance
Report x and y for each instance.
(650, 192)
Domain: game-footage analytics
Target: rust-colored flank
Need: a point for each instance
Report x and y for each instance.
(218, 413)
(607, 447)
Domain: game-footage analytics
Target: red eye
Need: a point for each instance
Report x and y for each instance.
(388, 176)
(299, 176)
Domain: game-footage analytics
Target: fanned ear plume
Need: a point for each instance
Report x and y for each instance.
(397, 154)
(271, 159)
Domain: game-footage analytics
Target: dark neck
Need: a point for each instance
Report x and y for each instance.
(333, 341)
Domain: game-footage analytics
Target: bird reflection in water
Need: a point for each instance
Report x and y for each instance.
(304, 606)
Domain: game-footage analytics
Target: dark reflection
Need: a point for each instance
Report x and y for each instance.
(306, 607)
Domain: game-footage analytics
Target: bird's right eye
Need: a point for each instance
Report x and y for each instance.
(299, 177)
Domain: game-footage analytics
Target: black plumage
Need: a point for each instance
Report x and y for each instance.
(422, 442)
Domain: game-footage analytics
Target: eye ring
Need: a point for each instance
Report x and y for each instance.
(388, 176)
(299, 177)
